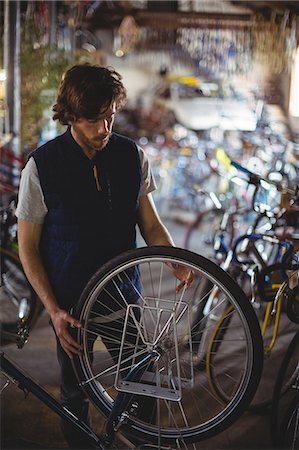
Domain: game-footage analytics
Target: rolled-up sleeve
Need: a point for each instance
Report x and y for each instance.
(31, 204)
(148, 182)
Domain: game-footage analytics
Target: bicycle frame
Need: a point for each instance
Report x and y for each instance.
(274, 309)
(117, 417)
(270, 312)
(283, 251)
(26, 384)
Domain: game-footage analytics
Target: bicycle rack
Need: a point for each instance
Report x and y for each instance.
(157, 331)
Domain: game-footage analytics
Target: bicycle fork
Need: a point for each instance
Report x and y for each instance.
(121, 411)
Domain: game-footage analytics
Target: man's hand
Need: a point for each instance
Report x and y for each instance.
(61, 320)
(184, 275)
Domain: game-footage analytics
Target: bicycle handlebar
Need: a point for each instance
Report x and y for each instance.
(255, 179)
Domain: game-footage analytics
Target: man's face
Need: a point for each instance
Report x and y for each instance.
(93, 135)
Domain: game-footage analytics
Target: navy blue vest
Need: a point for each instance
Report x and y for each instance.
(86, 227)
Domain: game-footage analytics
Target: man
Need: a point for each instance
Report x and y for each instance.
(80, 198)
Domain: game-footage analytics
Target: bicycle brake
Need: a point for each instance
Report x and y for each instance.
(123, 418)
(117, 424)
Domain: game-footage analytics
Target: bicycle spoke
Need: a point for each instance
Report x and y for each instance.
(139, 345)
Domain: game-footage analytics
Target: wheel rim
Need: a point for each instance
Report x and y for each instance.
(177, 421)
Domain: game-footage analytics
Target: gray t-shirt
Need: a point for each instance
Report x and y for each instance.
(31, 204)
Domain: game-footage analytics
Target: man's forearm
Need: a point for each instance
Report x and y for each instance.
(151, 227)
(158, 235)
(38, 278)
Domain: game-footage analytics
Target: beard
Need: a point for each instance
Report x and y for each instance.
(95, 143)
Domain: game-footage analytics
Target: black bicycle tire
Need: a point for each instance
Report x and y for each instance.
(243, 397)
(220, 330)
(279, 388)
(291, 305)
(8, 332)
(287, 421)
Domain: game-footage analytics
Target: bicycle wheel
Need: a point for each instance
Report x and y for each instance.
(290, 427)
(129, 308)
(274, 349)
(285, 389)
(17, 298)
(273, 354)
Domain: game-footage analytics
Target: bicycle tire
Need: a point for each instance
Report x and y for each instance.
(283, 392)
(14, 289)
(293, 305)
(97, 368)
(290, 427)
(272, 358)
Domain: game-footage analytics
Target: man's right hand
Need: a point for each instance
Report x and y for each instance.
(61, 321)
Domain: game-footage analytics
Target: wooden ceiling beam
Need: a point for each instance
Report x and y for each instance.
(163, 19)
(106, 18)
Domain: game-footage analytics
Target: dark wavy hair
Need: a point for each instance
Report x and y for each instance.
(86, 91)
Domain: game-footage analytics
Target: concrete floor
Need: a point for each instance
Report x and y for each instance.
(26, 423)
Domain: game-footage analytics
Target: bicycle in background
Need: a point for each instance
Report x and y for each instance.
(259, 262)
(19, 304)
(285, 401)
